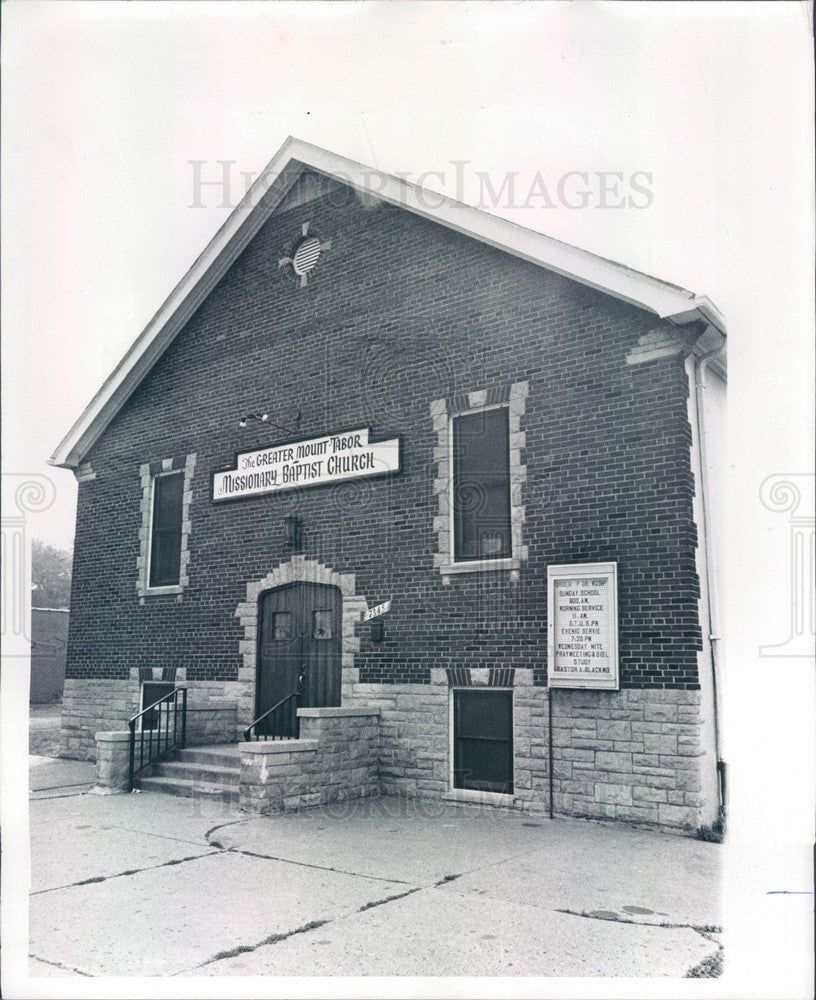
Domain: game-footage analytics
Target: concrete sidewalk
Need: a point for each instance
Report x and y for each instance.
(378, 887)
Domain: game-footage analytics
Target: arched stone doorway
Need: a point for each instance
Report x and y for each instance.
(296, 570)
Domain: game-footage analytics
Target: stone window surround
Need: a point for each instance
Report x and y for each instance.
(298, 569)
(443, 411)
(148, 473)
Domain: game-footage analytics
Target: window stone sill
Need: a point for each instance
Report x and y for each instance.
(475, 797)
(158, 591)
(479, 566)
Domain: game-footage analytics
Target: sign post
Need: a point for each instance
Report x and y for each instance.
(582, 626)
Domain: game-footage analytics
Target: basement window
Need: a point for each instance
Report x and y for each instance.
(153, 691)
(483, 741)
(166, 523)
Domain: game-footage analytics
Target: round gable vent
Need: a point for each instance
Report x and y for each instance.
(303, 254)
(306, 255)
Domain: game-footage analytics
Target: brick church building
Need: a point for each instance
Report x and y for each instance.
(425, 471)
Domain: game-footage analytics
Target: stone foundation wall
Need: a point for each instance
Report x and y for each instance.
(210, 720)
(335, 758)
(629, 755)
(633, 755)
(413, 750)
(92, 706)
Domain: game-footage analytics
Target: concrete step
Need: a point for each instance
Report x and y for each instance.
(221, 756)
(196, 771)
(190, 789)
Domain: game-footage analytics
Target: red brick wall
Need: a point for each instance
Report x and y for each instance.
(399, 312)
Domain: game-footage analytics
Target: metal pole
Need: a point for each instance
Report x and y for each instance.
(550, 741)
(183, 718)
(132, 727)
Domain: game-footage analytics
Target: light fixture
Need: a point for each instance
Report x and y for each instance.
(264, 419)
(292, 533)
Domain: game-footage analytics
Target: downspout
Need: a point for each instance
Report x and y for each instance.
(700, 362)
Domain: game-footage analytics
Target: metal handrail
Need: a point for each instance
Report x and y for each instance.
(160, 746)
(286, 718)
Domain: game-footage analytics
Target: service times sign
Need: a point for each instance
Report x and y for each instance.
(582, 625)
(329, 459)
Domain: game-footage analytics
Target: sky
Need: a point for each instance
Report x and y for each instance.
(106, 106)
(101, 133)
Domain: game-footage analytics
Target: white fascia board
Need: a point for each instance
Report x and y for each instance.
(641, 290)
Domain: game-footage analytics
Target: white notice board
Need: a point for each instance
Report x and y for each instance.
(582, 626)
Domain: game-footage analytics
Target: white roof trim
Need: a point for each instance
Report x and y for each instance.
(659, 297)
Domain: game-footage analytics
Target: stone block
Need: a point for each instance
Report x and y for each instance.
(689, 781)
(610, 761)
(637, 813)
(585, 788)
(688, 746)
(659, 743)
(617, 730)
(676, 815)
(645, 793)
(660, 781)
(614, 794)
(574, 753)
(676, 763)
(605, 745)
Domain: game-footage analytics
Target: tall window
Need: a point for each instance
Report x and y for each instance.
(165, 540)
(481, 485)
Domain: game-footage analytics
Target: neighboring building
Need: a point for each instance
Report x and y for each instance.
(492, 420)
(49, 643)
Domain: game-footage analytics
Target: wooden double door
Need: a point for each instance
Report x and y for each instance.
(299, 645)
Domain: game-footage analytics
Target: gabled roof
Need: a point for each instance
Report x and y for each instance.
(659, 297)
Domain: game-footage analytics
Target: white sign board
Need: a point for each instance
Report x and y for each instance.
(376, 611)
(329, 459)
(582, 626)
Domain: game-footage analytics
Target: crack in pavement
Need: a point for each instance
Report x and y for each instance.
(275, 938)
(34, 797)
(313, 924)
(306, 864)
(70, 784)
(388, 899)
(60, 965)
(220, 826)
(130, 871)
(704, 929)
(710, 967)
(161, 836)
(242, 949)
